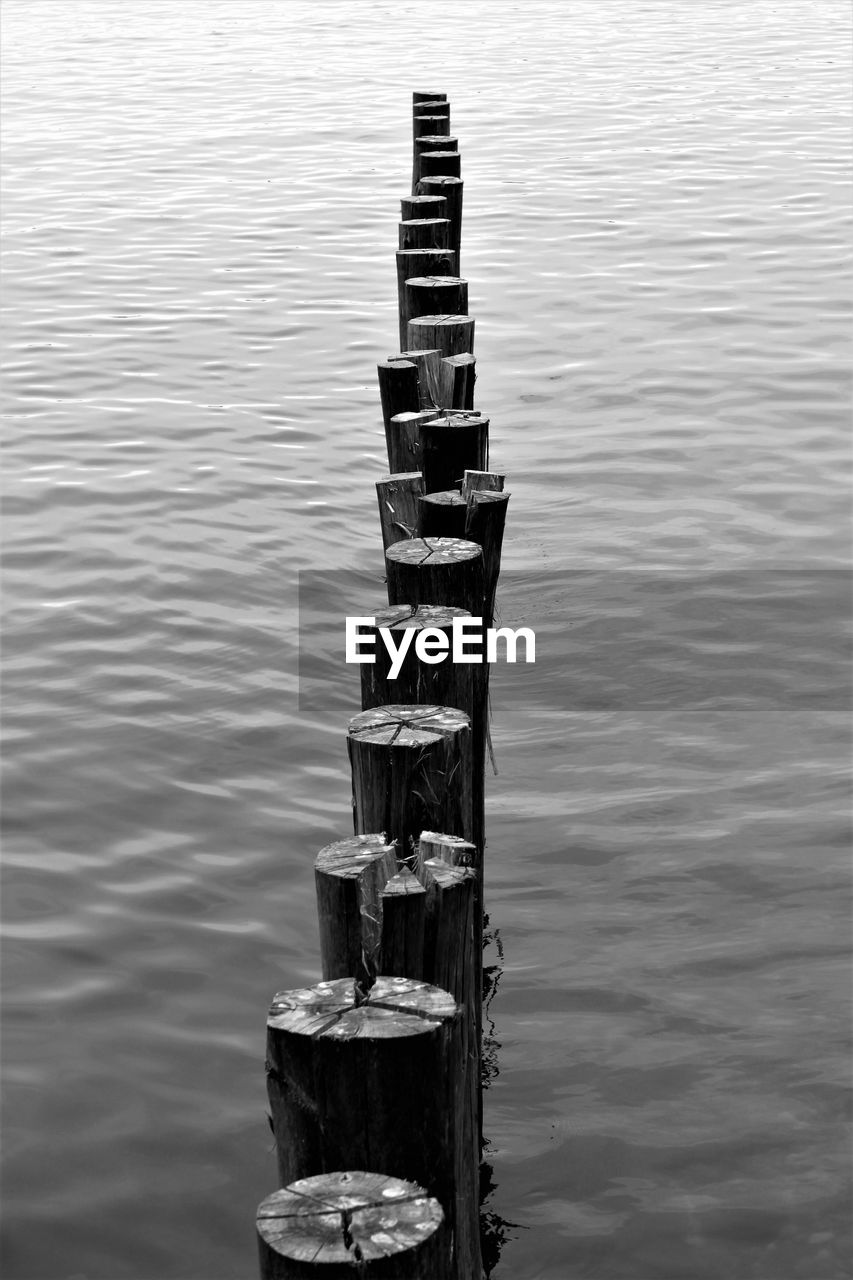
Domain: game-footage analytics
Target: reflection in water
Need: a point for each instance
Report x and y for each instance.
(494, 1230)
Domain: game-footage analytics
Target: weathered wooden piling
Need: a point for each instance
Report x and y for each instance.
(452, 444)
(456, 387)
(439, 164)
(399, 506)
(424, 233)
(486, 518)
(352, 1226)
(417, 207)
(349, 877)
(433, 294)
(452, 189)
(345, 1079)
(444, 684)
(453, 335)
(445, 571)
(403, 907)
(398, 390)
(411, 770)
(442, 515)
(429, 375)
(404, 440)
(430, 142)
(416, 263)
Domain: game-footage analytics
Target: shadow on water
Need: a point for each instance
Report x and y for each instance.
(495, 1231)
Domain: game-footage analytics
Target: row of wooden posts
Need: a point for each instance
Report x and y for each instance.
(373, 1075)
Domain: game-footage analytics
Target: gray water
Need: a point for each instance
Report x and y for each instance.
(200, 208)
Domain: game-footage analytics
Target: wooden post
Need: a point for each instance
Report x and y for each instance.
(450, 445)
(424, 233)
(349, 875)
(457, 378)
(419, 97)
(443, 684)
(403, 900)
(398, 390)
(428, 294)
(451, 188)
(439, 164)
(482, 482)
(428, 141)
(446, 571)
(414, 207)
(404, 442)
(485, 525)
(375, 1081)
(399, 506)
(452, 335)
(436, 846)
(411, 769)
(442, 515)
(430, 124)
(429, 376)
(355, 1225)
(418, 262)
(450, 950)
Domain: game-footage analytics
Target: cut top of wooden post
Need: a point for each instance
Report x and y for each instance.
(401, 617)
(407, 724)
(348, 1220)
(420, 96)
(434, 551)
(423, 207)
(330, 1010)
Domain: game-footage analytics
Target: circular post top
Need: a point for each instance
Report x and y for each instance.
(401, 617)
(433, 551)
(393, 1007)
(431, 281)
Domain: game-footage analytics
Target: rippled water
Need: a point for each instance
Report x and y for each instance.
(200, 207)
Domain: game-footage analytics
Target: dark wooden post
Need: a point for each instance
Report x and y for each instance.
(442, 515)
(403, 918)
(413, 207)
(426, 141)
(452, 335)
(399, 506)
(404, 440)
(452, 189)
(450, 445)
(456, 387)
(421, 96)
(360, 1080)
(439, 164)
(446, 571)
(424, 233)
(411, 769)
(398, 390)
(429, 376)
(444, 684)
(350, 875)
(430, 294)
(354, 1224)
(485, 525)
(417, 263)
